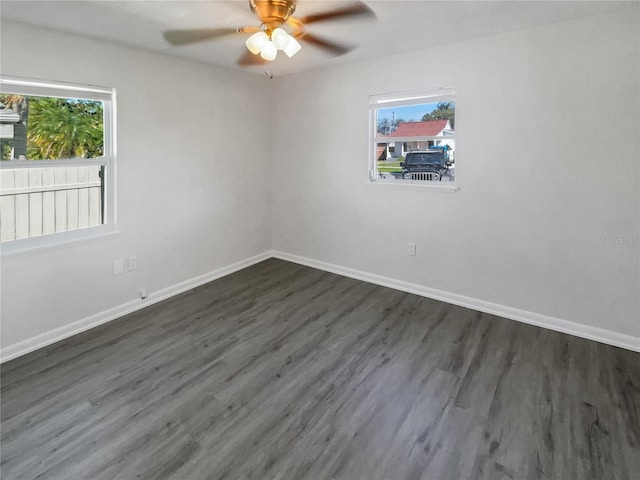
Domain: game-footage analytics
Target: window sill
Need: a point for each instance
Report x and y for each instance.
(44, 243)
(447, 187)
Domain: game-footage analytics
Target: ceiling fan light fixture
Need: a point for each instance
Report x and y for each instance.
(256, 42)
(292, 47)
(269, 51)
(280, 38)
(278, 30)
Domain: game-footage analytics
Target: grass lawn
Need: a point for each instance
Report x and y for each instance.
(389, 167)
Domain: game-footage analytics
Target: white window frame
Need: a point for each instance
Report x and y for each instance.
(400, 99)
(107, 96)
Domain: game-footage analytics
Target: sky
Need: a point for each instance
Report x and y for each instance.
(408, 113)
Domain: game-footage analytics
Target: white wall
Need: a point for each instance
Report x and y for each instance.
(193, 179)
(547, 160)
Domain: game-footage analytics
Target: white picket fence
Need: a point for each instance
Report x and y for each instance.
(40, 201)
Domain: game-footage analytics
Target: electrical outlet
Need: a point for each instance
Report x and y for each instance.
(412, 249)
(132, 263)
(118, 266)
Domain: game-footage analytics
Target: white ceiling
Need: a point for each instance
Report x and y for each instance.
(400, 26)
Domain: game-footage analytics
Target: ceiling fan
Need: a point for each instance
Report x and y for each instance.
(278, 30)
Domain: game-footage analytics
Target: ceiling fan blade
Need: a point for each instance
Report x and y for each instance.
(185, 37)
(358, 9)
(249, 59)
(333, 48)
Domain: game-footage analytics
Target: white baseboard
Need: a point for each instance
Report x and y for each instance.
(585, 331)
(47, 338)
(572, 328)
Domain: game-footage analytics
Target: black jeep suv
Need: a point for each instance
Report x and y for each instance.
(429, 165)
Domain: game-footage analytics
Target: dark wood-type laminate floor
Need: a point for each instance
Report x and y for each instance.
(285, 372)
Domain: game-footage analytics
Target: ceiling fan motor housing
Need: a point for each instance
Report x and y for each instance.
(273, 13)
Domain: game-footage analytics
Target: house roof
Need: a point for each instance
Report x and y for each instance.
(430, 128)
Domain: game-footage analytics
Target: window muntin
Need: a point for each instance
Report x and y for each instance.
(57, 173)
(420, 122)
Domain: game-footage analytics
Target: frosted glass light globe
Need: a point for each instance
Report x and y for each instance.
(280, 38)
(269, 51)
(256, 42)
(293, 47)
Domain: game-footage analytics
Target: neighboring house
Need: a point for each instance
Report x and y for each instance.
(13, 132)
(431, 128)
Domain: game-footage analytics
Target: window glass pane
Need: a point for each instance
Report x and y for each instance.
(39, 201)
(412, 160)
(415, 141)
(389, 119)
(49, 128)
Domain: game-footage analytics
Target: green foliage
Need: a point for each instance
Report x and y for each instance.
(5, 149)
(389, 166)
(443, 111)
(64, 128)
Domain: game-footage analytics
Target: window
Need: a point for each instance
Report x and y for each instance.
(413, 138)
(57, 167)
